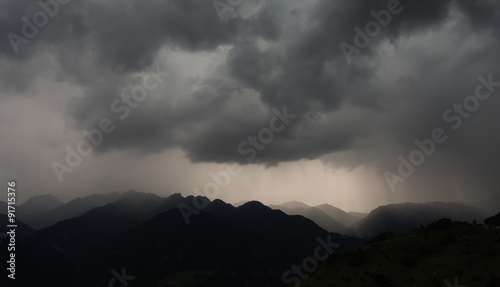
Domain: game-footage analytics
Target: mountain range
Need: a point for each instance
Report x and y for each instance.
(402, 217)
(250, 244)
(86, 241)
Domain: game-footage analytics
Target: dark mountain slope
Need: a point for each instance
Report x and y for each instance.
(22, 230)
(245, 246)
(405, 217)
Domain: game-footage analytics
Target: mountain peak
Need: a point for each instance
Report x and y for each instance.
(253, 203)
(43, 198)
(295, 204)
(39, 204)
(254, 206)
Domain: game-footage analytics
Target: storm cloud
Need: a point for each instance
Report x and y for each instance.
(225, 78)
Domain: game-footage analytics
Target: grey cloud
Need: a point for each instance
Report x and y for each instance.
(305, 74)
(99, 45)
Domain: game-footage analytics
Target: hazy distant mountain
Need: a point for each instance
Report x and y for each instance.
(322, 219)
(405, 217)
(76, 234)
(38, 204)
(295, 204)
(240, 203)
(491, 204)
(279, 207)
(338, 214)
(358, 215)
(22, 230)
(79, 206)
(328, 217)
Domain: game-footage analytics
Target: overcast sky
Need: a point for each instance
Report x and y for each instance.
(214, 79)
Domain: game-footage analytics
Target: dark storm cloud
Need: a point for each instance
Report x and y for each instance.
(287, 54)
(483, 13)
(308, 73)
(298, 76)
(303, 80)
(122, 36)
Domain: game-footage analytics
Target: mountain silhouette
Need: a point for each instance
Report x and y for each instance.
(245, 246)
(294, 204)
(493, 220)
(148, 238)
(404, 217)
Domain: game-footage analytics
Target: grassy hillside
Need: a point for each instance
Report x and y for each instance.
(441, 251)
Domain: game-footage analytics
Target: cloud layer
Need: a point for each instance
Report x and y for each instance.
(224, 79)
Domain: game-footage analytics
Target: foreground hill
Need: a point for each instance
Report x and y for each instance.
(493, 220)
(442, 251)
